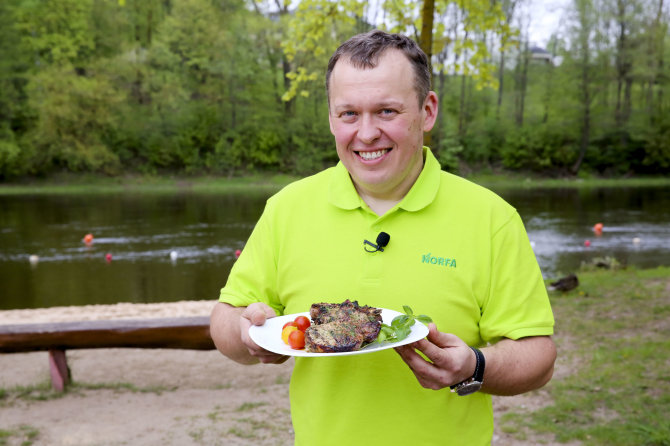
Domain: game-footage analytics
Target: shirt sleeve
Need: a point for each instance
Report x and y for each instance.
(517, 305)
(253, 277)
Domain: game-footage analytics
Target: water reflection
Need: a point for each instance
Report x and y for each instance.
(181, 247)
(560, 222)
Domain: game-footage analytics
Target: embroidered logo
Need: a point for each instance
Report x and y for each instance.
(439, 261)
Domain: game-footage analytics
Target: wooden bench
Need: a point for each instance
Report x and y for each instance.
(56, 338)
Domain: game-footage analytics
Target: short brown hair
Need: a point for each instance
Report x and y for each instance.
(364, 50)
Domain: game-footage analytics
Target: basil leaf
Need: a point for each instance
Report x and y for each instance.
(388, 331)
(408, 310)
(402, 333)
(423, 318)
(399, 321)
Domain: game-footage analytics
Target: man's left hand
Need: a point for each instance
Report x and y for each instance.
(450, 359)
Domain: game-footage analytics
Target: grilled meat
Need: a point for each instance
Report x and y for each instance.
(323, 312)
(341, 327)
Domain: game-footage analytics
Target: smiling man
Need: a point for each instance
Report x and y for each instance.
(378, 119)
(457, 252)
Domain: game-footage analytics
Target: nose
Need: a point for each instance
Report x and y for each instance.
(368, 131)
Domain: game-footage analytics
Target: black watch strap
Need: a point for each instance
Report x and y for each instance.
(479, 368)
(478, 375)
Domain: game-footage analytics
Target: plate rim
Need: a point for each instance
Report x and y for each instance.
(256, 330)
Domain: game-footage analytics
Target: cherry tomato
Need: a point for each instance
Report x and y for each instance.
(287, 331)
(289, 324)
(296, 340)
(302, 322)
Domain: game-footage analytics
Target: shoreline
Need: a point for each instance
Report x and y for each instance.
(107, 311)
(271, 182)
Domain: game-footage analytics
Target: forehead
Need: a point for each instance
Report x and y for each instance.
(392, 76)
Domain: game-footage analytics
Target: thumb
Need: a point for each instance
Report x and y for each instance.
(257, 313)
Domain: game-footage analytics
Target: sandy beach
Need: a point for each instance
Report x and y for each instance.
(152, 397)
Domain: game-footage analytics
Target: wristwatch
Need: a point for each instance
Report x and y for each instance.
(474, 383)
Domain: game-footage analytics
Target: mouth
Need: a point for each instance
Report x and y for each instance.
(373, 155)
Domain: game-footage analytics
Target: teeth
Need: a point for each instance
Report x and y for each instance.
(372, 155)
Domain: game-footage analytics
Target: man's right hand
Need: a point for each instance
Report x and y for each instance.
(256, 314)
(229, 328)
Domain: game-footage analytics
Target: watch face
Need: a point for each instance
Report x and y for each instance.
(469, 388)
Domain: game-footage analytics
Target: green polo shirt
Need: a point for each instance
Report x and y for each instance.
(457, 253)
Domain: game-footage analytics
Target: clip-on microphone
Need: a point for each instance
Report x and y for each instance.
(382, 240)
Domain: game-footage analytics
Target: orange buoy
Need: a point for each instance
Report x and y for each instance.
(88, 239)
(598, 228)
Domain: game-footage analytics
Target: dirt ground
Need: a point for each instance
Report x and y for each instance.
(162, 397)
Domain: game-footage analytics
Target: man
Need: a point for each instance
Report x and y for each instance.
(457, 253)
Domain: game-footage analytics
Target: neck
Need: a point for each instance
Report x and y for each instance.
(379, 206)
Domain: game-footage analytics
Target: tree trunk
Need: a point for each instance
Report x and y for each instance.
(521, 82)
(501, 77)
(426, 44)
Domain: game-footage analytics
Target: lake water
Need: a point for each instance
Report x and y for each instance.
(181, 246)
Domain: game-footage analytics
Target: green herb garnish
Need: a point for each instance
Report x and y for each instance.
(401, 326)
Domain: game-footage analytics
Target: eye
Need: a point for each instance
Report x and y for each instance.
(348, 115)
(387, 112)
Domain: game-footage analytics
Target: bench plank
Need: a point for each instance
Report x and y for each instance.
(179, 332)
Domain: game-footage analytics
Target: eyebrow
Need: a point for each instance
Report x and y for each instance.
(380, 105)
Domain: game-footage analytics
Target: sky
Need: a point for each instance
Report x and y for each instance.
(545, 16)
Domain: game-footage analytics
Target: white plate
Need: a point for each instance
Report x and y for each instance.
(268, 336)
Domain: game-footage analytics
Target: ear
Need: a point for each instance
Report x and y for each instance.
(430, 111)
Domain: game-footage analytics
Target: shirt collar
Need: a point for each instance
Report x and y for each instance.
(343, 193)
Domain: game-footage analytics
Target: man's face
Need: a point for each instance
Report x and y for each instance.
(378, 124)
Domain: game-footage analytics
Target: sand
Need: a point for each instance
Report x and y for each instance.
(157, 396)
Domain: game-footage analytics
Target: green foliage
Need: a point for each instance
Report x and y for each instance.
(539, 148)
(448, 153)
(196, 86)
(9, 154)
(75, 114)
(656, 144)
(56, 32)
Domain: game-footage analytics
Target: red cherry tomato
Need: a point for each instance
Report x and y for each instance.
(289, 324)
(302, 322)
(296, 340)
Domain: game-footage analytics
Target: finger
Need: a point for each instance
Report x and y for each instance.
(416, 362)
(258, 313)
(426, 373)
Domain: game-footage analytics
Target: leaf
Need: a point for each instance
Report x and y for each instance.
(423, 318)
(407, 310)
(402, 333)
(399, 321)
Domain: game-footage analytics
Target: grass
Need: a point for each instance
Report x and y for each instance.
(44, 392)
(24, 435)
(269, 182)
(92, 184)
(615, 331)
(509, 180)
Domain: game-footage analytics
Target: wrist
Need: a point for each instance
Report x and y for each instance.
(475, 381)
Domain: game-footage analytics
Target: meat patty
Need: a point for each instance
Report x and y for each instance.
(341, 327)
(322, 313)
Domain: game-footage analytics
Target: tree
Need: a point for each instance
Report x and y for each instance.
(580, 53)
(317, 25)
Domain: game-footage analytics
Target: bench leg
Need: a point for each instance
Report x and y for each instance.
(60, 373)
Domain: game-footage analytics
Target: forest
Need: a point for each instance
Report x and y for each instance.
(232, 87)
